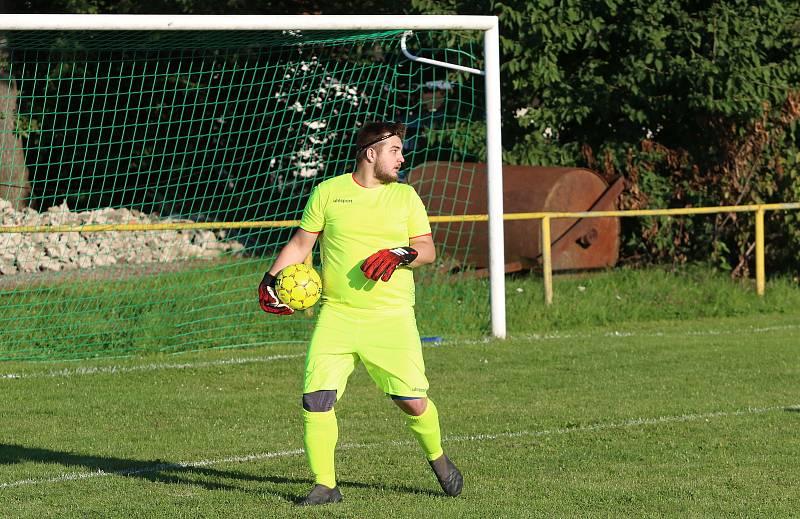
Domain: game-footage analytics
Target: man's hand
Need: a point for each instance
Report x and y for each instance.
(383, 263)
(268, 300)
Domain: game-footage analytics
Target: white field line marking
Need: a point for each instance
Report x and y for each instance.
(75, 476)
(553, 336)
(531, 337)
(67, 372)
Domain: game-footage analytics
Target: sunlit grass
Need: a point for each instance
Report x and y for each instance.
(681, 418)
(117, 313)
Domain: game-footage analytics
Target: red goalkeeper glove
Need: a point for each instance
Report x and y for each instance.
(383, 263)
(268, 299)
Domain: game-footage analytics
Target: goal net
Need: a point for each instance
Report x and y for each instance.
(148, 178)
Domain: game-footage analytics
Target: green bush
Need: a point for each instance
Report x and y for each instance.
(693, 103)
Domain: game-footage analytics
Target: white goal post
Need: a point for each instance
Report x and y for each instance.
(487, 24)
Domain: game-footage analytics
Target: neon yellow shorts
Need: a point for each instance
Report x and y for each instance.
(385, 340)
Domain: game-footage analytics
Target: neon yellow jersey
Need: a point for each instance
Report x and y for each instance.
(355, 223)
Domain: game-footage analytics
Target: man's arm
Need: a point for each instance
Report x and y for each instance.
(426, 250)
(296, 250)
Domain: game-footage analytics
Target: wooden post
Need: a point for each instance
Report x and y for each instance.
(14, 184)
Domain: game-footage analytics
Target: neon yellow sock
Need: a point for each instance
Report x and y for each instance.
(425, 428)
(319, 437)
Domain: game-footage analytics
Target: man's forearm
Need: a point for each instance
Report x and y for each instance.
(426, 253)
(295, 251)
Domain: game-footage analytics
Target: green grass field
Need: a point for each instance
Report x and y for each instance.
(168, 309)
(614, 402)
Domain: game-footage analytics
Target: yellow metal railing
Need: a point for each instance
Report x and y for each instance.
(545, 217)
(759, 209)
(164, 226)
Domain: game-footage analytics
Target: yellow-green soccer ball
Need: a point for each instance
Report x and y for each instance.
(298, 286)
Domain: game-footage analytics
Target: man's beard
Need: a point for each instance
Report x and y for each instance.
(384, 176)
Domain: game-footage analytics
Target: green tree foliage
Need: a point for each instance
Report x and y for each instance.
(202, 7)
(694, 103)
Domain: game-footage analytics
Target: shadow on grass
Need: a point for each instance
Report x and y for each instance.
(173, 473)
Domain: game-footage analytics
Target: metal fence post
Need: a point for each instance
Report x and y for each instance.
(547, 263)
(760, 275)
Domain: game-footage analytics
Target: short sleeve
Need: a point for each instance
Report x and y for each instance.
(418, 224)
(314, 214)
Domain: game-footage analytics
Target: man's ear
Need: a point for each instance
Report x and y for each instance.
(370, 154)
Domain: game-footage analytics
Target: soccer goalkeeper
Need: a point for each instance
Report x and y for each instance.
(373, 232)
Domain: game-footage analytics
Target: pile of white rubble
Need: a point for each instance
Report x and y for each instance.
(56, 251)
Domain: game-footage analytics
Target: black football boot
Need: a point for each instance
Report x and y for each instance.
(448, 475)
(321, 495)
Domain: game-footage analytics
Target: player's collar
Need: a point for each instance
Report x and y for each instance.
(359, 184)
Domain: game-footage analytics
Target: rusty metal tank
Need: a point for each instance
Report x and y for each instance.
(460, 189)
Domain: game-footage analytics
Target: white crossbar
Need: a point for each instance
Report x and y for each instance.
(136, 22)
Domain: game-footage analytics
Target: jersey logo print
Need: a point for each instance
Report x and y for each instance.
(342, 200)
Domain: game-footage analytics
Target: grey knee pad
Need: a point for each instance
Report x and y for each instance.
(319, 401)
